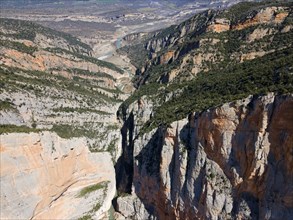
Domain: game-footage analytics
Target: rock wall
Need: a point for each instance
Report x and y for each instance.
(47, 61)
(233, 161)
(269, 15)
(275, 15)
(203, 41)
(43, 175)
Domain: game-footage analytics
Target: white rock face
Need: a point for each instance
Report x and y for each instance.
(130, 207)
(233, 161)
(42, 176)
(11, 117)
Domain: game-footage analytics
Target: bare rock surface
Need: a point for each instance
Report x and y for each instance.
(45, 177)
(232, 161)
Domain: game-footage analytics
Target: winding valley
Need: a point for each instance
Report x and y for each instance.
(190, 121)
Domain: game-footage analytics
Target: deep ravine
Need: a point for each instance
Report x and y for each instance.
(232, 161)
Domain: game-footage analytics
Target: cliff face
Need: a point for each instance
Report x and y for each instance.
(211, 38)
(232, 161)
(45, 177)
(31, 47)
(59, 135)
(50, 81)
(46, 61)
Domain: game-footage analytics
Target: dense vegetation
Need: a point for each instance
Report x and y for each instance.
(271, 73)
(68, 131)
(28, 30)
(239, 12)
(18, 46)
(16, 129)
(221, 78)
(14, 79)
(187, 38)
(89, 73)
(230, 43)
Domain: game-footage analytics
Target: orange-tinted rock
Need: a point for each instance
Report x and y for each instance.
(280, 17)
(267, 15)
(42, 176)
(233, 157)
(218, 28)
(219, 25)
(165, 58)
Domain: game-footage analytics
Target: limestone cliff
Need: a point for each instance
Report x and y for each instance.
(226, 161)
(50, 81)
(230, 162)
(32, 47)
(59, 135)
(209, 39)
(46, 177)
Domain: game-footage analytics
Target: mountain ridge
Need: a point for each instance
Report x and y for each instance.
(186, 154)
(205, 133)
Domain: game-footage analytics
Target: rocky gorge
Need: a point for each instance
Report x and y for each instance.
(202, 131)
(59, 132)
(230, 162)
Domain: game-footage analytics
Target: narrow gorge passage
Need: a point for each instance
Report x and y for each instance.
(109, 111)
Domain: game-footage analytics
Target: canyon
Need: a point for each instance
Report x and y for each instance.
(229, 162)
(192, 121)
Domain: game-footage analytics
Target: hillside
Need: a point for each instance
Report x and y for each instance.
(58, 121)
(202, 131)
(207, 128)
(214, 52)
(213, 39)
(49, 76)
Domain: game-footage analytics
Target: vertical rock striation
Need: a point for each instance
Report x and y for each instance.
(232, 161)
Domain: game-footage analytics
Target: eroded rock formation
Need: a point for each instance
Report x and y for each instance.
(233, 161)
(45, 177)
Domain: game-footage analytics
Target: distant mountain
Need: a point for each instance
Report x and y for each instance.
(23, 3)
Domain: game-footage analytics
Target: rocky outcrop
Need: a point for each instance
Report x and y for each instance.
(275, 15)
(167, 57)
(59, 135)
(232, 161)
(52, 41)
(51, 83)
(158, 43)
(229, 162)
(219, 25)
(269, 15)
(253, 55)
(155, 46)
(244, 32)
(31, 47)
(134, 38)
(130, 207)
(46, 177)
(32, 34)
(56, 63)
(47, 112)
(259, 33)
